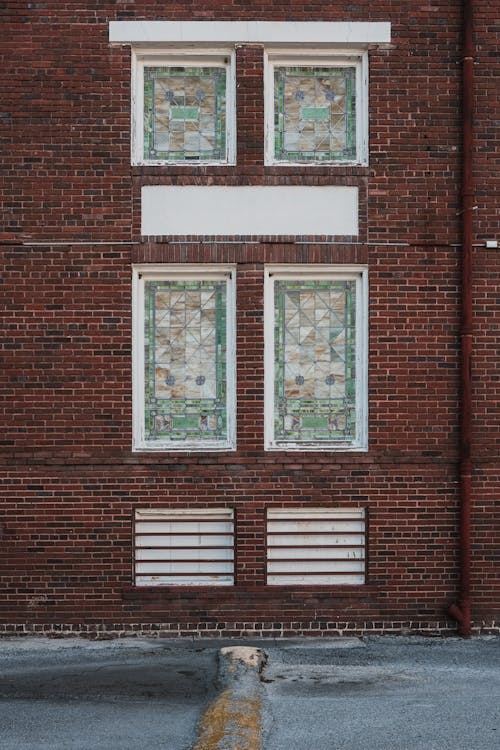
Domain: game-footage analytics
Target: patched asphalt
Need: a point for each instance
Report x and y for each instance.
(382, 693)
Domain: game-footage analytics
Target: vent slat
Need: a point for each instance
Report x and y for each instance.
(319, 580)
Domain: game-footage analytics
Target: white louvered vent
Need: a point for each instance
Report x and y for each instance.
(315, 546)
(184, 547)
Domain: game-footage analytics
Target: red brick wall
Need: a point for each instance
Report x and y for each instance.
(70, 482)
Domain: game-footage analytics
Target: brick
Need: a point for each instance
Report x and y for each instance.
(70, 233)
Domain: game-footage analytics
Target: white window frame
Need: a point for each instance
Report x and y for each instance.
(298, 57)
(151, 272)
(186, 58)
(191, 551)
(356, 273)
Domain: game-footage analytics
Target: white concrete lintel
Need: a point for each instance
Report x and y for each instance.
(234, 32)
(172, 210)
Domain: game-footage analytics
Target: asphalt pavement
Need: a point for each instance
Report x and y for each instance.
(376, 693)
(383, 694)
(112, 695)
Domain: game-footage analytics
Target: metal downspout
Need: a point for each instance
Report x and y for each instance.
(461, 611)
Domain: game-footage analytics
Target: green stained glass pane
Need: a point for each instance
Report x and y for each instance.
(185, 361)
(184, 114)
(315, 113)
(315, 341)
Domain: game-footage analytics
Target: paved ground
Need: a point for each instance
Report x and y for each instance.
(384, 694)
(113, 695)
(339, 694)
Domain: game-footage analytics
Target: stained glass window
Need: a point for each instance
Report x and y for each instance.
(184, 113)
(315, 113)
(315, 361)
(185, 362)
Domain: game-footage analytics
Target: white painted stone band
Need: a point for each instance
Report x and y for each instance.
(282, 210)
(266, 32)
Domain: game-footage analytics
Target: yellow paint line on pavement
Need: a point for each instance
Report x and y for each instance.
(231, 722)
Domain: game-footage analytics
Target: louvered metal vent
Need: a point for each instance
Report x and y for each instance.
(315, 546)
(184, 547)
